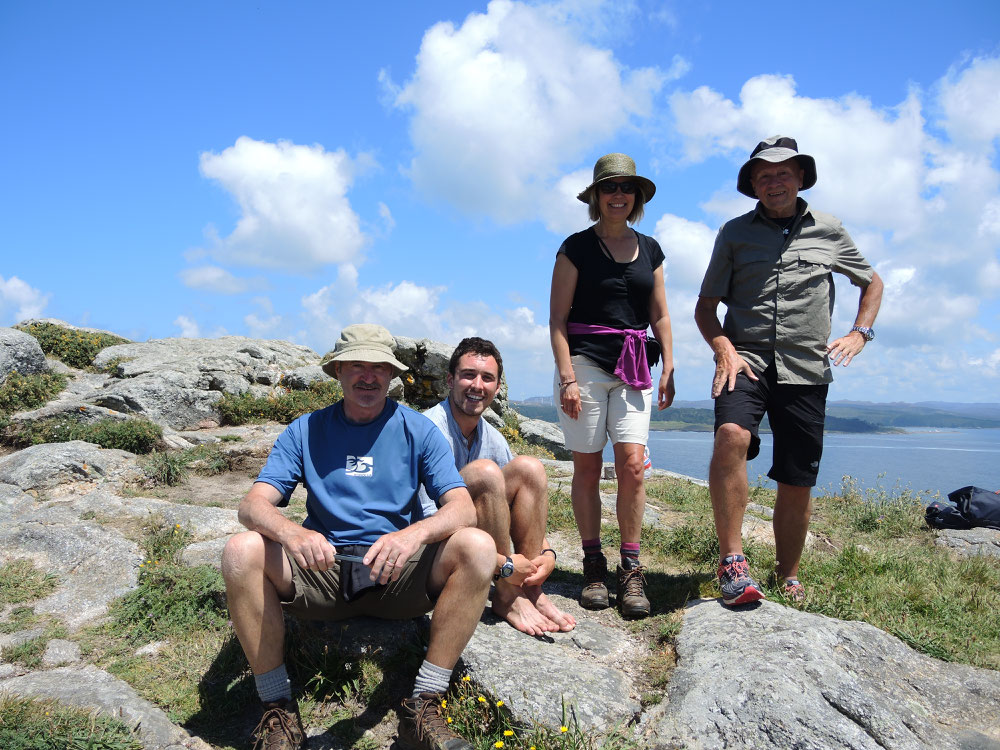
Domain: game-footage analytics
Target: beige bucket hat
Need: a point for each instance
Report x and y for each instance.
(362, 342)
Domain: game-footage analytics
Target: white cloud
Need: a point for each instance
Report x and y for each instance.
(687, 246)
(295, 211)
(20, 297)
(502, 102)
(216, 279)
(189, 328)
(970, 102)
(263, 323)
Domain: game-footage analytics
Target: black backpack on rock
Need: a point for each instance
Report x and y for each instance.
(969, 507)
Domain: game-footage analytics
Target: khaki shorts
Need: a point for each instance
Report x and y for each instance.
(318, 595)
(608, 408)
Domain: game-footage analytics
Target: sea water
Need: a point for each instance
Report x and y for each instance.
(919, 459)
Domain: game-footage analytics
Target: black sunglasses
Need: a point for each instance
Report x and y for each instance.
(610, 188)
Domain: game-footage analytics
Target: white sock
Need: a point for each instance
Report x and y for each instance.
(274, 685)
(431, 679)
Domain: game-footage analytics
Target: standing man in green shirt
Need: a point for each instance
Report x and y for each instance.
(773, 269)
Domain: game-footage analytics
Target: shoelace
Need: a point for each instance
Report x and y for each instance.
(427, 726)
(275, 719)
(634, 581)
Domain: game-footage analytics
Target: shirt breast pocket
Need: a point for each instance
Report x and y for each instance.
(814, 266)
(752, 268)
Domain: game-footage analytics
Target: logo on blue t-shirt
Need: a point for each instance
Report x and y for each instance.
(360, 466)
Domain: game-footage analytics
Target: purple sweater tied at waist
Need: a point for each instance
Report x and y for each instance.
(632, 366)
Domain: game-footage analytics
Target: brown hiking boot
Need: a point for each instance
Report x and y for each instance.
(595, 593)
(631, 592)
(423, 726)
(280, 727)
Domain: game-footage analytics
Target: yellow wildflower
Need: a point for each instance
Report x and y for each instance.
(444, 704)
(508, 733)
(499, 703)
(449, 720)
(466, 678)
(564, 729)
(482, 699)
(498, 744)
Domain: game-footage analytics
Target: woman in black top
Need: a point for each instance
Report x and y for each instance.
(607, 289)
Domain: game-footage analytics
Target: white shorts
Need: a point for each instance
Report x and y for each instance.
(608, 408)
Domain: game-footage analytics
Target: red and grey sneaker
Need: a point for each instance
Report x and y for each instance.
(737, 585)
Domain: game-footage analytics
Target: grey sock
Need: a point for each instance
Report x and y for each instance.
(431, 679)
(274, 685)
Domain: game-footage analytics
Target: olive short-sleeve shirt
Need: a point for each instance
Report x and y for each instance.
(779, 291)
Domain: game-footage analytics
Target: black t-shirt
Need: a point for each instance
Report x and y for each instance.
(609, 294)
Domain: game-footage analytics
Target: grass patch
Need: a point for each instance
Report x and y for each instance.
(21, 581)
(75, 348)
(24, 392)
(244, 408)
(138, 436)
(171, 599)
(487, 723)
(28, 724)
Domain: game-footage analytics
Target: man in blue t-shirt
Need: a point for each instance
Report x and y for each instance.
(510, 494)
(361, 461)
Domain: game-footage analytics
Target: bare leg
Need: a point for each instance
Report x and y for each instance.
(586, 493)
(258, 576)
(486, 483)
(463, 568)
(727, 482)
(631, 490)
(526, 487)
(792, 508)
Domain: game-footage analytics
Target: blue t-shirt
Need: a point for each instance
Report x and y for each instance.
(361, 480)
(487, 442)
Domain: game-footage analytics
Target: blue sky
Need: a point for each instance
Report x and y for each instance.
(280, 170)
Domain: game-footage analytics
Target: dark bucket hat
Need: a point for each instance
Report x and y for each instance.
(618, 165)
(363, 342)
(774, 149)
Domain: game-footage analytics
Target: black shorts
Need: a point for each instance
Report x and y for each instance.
(796, 414)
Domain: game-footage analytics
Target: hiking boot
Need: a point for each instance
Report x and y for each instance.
(631, 592)
(737, 585)
(595, 593)
(280, 727)
(423, 726)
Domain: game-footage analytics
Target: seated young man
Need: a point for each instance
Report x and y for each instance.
(510, 494)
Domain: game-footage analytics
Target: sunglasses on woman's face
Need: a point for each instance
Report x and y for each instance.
(610, 188)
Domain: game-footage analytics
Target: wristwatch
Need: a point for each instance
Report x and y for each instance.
(868, 333)
(506, 570)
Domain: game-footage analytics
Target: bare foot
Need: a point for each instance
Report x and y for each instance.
(544, 605)
(510, 603)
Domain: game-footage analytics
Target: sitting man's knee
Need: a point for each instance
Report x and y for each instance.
(483, 477)
(530, 470)
(242, 552)
(476, 550)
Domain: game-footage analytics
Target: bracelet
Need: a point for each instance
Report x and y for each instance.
(562, 386)
(549, 549)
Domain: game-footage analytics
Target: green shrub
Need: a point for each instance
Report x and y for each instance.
(23, 392)
(165, 467)
(237, 409)
(75, 348)
(172, 599)
(132, 435)
(30, 724)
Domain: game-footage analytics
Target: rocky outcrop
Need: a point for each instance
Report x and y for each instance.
(20, 353)
(89, 688)
(426, 382)
(970, 542)
(768, 676)
(545, 434)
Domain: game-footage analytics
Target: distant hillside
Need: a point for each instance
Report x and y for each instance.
(841, 416)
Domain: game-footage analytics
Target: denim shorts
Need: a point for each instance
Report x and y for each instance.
(608, 408)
